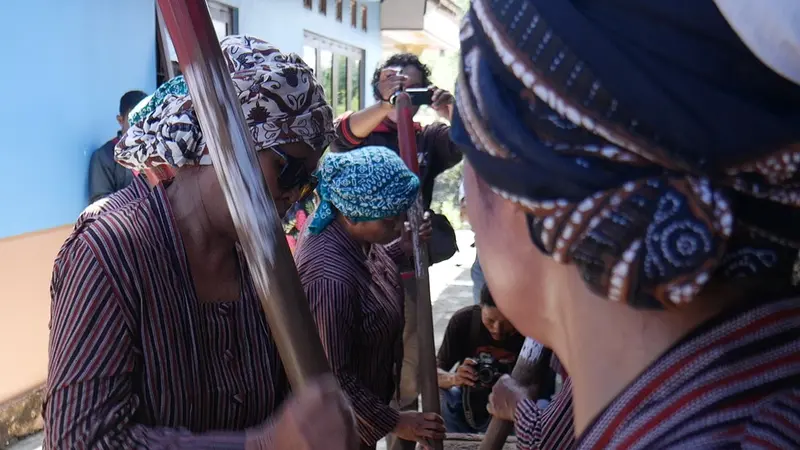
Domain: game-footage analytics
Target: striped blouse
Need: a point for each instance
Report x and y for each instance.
(357, 301)
(734, 382)
(135, 360)
(549, 428)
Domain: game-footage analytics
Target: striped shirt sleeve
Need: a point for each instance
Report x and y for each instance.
(333, 305)
(775, 424)
(345, 139)
(90, 399)
(527, 415)
(549, 428)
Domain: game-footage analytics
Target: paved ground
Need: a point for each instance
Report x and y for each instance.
(31, 443)
(451, 290)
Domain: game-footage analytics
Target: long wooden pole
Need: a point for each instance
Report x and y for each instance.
(429, 388)
(252, 209)
(527, 371)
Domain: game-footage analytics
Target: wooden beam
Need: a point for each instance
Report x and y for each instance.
(533, 362)
(252, 209)
(429, 387)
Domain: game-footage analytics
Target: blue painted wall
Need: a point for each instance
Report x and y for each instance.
(67, 62)
(65, 66)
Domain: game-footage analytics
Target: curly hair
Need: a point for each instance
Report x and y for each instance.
(400, 60)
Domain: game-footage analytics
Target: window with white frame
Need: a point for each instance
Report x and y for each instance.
(224, 18)
(339, 68)
(353, 13)
(364, 18)
(339, 10)
(225, 21)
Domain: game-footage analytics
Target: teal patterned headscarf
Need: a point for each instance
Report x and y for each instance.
(176, 86)
(369, 183)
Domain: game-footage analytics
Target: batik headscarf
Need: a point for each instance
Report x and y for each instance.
(176, 86)
(369, 183)
(281, 100)
(648, 146)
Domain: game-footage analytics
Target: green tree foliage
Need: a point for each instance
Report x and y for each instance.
(445, 196)
(444, 71)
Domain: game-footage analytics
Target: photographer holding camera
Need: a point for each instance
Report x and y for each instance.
(485, 346)
(377, 125)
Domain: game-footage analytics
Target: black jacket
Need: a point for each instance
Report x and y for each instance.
(105, 175)
(436, 151)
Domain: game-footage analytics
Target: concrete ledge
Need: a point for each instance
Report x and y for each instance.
(21, 417)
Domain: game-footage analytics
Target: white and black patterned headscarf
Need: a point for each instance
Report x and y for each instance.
(282, 102)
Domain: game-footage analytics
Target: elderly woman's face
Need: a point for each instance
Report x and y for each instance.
(382, 231)
(288, 173)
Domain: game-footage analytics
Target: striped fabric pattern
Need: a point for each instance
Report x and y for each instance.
(135, 360)
(732, 383)
(356, 298)
(550, 428)
(137, 189)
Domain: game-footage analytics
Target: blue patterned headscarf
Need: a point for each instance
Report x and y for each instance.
(369, 183)
(176, 86)
(647, 146)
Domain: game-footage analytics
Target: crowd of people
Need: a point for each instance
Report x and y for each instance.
(631, 178)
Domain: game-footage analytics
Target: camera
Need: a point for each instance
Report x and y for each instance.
(487, 370)
(418, 96)
(474, 399)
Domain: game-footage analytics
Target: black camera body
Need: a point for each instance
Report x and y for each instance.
(474, 399)
(418, 96)
(488, 371)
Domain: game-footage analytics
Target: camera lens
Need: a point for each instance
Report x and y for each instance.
(486, 375)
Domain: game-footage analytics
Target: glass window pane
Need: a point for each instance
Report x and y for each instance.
(355, 86)
(326, 74)
(221, 28)
(341, 88)
(310, 57)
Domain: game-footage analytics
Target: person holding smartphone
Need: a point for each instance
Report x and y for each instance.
(377, 126)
